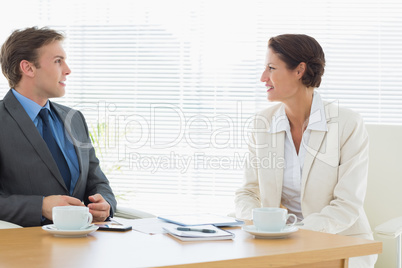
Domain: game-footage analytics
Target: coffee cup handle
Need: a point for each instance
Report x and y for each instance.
(89, 219)
(294, 217)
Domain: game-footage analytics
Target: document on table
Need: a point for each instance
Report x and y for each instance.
(201, 219)
(148, 225)
(197, 233)
(158, 226)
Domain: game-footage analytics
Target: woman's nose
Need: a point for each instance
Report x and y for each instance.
(264, 76)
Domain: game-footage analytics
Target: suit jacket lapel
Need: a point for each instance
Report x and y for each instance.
(312, 149)
(273, 161)
(315, 144)
(31, 133)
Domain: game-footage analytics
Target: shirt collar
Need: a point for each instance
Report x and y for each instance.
(280, 121)
(317, 119)
(31, 107)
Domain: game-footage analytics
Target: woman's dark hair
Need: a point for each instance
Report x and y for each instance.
(24, 45)
(296, 48)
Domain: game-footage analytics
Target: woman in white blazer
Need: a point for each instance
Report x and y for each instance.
(306, 154)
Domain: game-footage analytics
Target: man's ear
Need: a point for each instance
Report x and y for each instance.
(27, 68)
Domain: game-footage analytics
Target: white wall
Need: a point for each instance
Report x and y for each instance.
(384, 193)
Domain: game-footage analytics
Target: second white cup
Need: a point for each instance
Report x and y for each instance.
(270, 219)
(71, 217)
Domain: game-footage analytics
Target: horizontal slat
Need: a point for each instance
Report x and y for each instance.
(198, 66)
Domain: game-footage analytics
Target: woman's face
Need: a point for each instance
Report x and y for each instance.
(281, 83)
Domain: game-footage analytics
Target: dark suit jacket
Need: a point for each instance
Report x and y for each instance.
(28, 171)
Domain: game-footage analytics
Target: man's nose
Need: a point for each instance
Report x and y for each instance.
(67, 70)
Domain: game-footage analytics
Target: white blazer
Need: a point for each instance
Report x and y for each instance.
(334, 177)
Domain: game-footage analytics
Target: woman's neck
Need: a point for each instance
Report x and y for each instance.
(298, 109)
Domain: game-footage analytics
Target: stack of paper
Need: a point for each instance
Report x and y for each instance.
(200, 219)
(201, 232)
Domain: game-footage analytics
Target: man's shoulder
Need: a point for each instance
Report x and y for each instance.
(9, 102)
(7, 98)
(61, 107)
(67, 114)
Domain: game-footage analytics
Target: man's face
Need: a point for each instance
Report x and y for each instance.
(50, 75)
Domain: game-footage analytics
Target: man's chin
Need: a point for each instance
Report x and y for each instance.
(55, 96)
(60, 93)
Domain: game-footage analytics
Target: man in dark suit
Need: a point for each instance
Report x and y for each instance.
(46, 155)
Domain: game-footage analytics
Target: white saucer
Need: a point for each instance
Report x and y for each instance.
(51, 228)
(272, 235)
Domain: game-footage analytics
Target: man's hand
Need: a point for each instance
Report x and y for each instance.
(99, 208)
(57, 200)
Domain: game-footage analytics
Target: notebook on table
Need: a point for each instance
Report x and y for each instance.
(189, 235)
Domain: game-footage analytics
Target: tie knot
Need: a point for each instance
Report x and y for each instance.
(44, 114)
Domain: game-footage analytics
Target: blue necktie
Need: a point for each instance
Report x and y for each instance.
(54, 148)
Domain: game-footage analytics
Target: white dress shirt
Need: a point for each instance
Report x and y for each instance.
(293, 170)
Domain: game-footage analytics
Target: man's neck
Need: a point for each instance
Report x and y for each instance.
(29, 93)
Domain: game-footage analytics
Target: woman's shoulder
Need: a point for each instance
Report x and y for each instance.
(335, 111)
(270, 111)
(347, 120)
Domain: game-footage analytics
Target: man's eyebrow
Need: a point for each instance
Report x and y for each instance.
(61, 57)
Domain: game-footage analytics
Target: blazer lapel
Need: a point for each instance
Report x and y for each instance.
(273, 160)
(31, 133)
(312, 149)
(316, 142)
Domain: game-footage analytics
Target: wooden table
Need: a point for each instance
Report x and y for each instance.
(33, 247)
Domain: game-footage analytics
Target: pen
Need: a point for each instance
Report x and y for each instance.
(196, 230)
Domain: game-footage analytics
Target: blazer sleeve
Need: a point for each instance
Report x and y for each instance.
(349, 192)
(23, 210)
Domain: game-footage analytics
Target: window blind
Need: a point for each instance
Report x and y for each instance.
(168, 88)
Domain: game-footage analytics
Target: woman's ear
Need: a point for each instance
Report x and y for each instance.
(301, 69)
(27, 68)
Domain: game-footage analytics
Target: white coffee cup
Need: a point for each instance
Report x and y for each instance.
(71, 217)
(270, 219)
